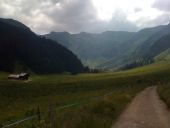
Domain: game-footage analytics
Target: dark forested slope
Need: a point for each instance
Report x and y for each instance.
(18, 44)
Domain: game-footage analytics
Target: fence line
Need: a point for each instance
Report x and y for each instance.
(58, 108)
(20, 121)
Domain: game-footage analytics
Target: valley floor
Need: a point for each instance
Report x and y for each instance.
(145, 111)
(19, 100)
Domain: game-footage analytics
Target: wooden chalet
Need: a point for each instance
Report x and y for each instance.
(21, 76)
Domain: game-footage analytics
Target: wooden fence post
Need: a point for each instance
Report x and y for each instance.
(38, 114)
(52, 116)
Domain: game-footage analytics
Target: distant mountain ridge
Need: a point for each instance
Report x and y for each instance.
(19, 46)
(90, 47)
(115, 50)
(110, 50)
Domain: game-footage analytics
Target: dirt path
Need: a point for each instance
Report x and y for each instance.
(145, 111)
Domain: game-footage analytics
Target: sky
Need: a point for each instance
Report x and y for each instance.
(95, 16)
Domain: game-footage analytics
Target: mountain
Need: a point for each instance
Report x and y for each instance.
(164, 56)
(144, 48)
(116, 50)
(160, 46)
(20, 47)
(135, 49)
(92, 49)
(62, 37)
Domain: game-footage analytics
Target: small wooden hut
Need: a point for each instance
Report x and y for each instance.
(21, 76)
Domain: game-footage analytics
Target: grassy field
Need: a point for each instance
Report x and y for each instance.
(19, 99)
(164, 92)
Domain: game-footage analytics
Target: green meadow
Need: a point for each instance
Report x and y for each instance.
(93, 109)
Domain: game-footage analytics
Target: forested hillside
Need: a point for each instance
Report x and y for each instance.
(20, 47)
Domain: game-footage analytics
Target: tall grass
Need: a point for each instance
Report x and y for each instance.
(164, 92)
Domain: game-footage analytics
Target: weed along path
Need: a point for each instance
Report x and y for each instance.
(145, 111)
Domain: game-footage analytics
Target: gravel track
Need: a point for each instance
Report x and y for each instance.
(145, 111)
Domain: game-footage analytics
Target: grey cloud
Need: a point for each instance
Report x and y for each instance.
(136, 10)
(119, 22)
(162, 5)
(63, 15)
(75, 15)
(162, 19)
(83, 18)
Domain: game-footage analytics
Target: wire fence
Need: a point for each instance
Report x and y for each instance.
(20, 121)
(58, 108)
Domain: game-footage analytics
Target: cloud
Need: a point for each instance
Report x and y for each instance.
(61, 15)
(28, 12)
(74, 16)
(163, 5)
(119, 22)
(136, 10)
(161, 20)
(82, 16)
(44, 16)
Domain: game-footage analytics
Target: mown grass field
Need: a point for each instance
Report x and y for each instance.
(19, 99)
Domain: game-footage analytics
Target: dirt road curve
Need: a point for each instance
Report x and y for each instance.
(145, 111)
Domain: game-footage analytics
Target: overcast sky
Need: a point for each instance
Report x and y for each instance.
(44, 16)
